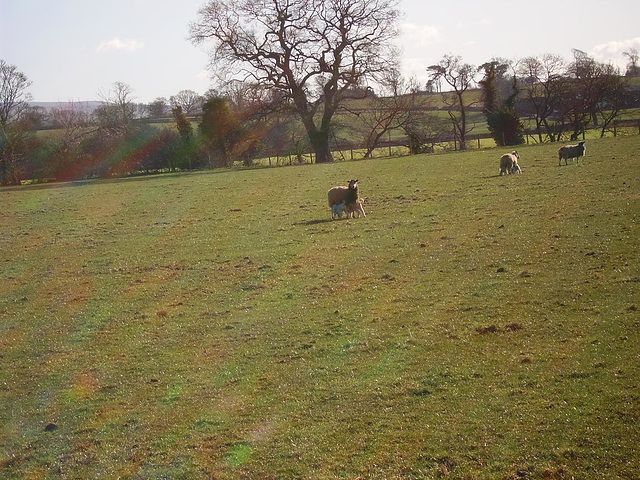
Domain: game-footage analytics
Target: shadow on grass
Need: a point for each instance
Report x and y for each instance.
(53, 184)
(314, 222)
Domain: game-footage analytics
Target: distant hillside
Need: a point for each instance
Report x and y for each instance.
(85, 106)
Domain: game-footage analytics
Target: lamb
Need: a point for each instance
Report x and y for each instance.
(347, 195)
(516, 169)
(356, 208)
(569, 152)
(507, 161)
(337, 210)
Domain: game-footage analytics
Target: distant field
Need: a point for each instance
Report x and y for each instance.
(220, 325)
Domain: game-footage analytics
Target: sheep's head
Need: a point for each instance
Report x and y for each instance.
(515, 154)
(353, 184)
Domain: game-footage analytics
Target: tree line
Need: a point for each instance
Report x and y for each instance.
(299, 77)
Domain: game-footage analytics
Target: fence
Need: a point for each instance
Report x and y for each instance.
(400, 147)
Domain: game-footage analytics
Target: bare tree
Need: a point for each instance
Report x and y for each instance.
(117, 112)
(596, 92)
(73, 124)
(188, 100)
(633, 70)
(589, 82)
(315, 52)
(460, 77)
(15, 121)
(544, 85)
(392, 109)
(425, 131)
(158, 108)
(612, 97)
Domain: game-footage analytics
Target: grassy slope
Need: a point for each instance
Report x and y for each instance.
(219, 325)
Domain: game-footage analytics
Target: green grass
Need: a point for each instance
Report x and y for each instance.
(219, 325)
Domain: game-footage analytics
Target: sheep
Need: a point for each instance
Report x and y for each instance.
(569, 152)
(507, 161)
(516, 169)
(356, 208)
(337, 210)
(347, 195)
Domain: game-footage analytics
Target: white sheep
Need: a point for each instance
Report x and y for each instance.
(347, 195)
(516, 169)
(569, 152)
(337, 210)
(356, 207)
(507, 161)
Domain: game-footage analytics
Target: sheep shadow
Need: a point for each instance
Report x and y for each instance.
(314, 222)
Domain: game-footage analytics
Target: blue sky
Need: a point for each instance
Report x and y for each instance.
(75, 49)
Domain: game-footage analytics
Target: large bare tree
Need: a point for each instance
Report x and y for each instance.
(188, 100)
(633, 69)
(460, 77)
(117, 112)
(543, 80)
(15, 121)
(593, 88)
(315, 52)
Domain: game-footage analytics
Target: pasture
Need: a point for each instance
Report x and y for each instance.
(220, 325)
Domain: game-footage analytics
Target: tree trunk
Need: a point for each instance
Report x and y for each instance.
(372, 143)
(8, 174)
(539, 129)
(319, 140)
(462, 123)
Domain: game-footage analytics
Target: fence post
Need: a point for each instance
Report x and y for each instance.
(478, 142)
(615, 129)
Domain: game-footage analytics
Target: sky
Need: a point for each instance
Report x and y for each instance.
(74, 50)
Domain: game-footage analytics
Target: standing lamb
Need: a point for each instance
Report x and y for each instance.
(356, 208)
(347, 195)
(507, 161)
(337, 210)
(569, 152)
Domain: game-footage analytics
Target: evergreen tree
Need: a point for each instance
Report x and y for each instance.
(185, 151)
(219, 127)
(502, 119)
(182, 124)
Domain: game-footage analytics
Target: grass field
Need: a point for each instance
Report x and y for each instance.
(220, 325)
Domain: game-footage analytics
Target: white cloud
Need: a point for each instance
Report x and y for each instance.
(127, 45)
(612, 51)
(416, 42)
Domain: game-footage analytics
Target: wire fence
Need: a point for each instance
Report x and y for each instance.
(400, 146)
